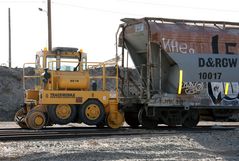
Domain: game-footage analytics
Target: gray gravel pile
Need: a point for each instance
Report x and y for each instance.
(11, 91)
(131, 85)
(132, 82)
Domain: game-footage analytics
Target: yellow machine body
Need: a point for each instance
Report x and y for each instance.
(65, 92)
(32, 95)
(72, 80)
(72, 97)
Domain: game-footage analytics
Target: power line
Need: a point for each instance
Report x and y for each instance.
(176, 6)
(172, 5)
(123, 1)
(95, 9)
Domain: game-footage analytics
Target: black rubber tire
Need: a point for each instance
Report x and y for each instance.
(131, 118)
(18, 118)
(31, 115)
(51, 109)
(23, 125)
(192, 119)
(48, 120)
(146, 122)
(83, 116)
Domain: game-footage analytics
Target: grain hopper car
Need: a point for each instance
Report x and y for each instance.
(189, 70)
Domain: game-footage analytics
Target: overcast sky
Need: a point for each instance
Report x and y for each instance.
(92, 24)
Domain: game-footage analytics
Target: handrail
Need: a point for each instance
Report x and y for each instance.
(24, 76)
(103, 65)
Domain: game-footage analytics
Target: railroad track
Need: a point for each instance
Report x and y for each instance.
(11, 134)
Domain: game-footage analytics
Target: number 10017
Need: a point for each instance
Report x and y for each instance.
(209, 75)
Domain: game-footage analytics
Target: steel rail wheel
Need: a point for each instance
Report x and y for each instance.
(192, 118)
(115, 119)
(131, 118)
(62, 113)
(145, 121)
(92, 112)
(35, 120)
(19, 118)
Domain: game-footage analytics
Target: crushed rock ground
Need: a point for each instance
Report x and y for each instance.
(213, 145)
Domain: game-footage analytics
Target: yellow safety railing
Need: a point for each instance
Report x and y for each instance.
(89, 66)
(28, 77)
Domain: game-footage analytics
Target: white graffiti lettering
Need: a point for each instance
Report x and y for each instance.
(172, 45)
(192, 87)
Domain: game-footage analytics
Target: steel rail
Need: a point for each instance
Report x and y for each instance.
(60, 133)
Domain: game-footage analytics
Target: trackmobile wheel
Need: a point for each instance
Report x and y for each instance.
(92, 112)
(35, 120)
(131, 118)
(145, 121)
(191, 119)
(115, 119)
(19, 118)
(62, 113)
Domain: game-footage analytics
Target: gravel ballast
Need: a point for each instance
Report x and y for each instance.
(212, 145)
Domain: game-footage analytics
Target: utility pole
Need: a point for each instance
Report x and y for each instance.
(49, 25)
(9, 39)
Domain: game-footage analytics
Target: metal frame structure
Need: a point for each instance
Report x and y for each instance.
(131, 21)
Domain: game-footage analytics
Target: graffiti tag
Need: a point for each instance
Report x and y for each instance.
(173, 45)
(192, 87)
